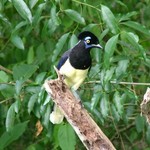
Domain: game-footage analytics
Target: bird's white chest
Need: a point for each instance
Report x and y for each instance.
(73, 77)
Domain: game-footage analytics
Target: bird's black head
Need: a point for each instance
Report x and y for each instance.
(89, 39)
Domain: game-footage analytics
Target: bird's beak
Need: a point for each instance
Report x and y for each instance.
(97, 46)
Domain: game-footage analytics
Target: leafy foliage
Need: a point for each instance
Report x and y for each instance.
(34, 34)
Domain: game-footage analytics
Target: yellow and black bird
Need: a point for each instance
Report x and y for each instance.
(74, 65)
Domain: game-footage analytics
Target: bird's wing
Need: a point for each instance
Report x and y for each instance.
(63, 59)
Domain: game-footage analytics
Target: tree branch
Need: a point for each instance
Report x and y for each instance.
(88, 131)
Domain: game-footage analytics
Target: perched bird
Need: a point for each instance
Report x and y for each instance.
(74, 65)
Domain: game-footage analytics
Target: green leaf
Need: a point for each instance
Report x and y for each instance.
(30, 55)
(59, 46)
(66, 137)
(104, 106)
(108, 74)
(8, 137)
(31, 102)
(56, 21)
(47, 99)
(17, 105)
(17, 41)
(10, 118)
(40, 54)
(40, 77)
(74, 15)
(37, 14)
(23, 9)
(46, 121)
(109, 19)
(122, 67)
(127, 16)
(131, 40)
(90, 27)
(148, 134)
(19, 26)
(115, 113)
(32, 3)
(3, 77)
(140, 123)
(137, 26)
(73, 41)
(118, 102)
(95, 99)
(109, 49)
(18, 86)
(24, 71)
(7, 90)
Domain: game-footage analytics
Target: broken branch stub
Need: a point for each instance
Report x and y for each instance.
(87, 130)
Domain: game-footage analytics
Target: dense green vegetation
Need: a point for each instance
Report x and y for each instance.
(34, 34)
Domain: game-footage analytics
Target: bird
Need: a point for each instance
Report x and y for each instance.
(74, 65)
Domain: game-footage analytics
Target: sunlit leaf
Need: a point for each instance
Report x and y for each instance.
(31, 102)
(17, 41)
(74, 15)
(23, 9)
(109, 19)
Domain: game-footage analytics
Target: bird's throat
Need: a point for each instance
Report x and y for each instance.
(80, 58)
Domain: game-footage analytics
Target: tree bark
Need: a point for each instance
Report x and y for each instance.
(87, 130)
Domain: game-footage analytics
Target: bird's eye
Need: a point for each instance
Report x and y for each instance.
(87, 41)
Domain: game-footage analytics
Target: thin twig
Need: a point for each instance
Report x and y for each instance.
(86, 5)
(5, 69)
(3, 101)
(121, 82)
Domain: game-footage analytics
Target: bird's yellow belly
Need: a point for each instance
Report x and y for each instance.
(73, 77)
